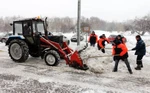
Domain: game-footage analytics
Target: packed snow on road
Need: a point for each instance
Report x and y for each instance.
(34, 76)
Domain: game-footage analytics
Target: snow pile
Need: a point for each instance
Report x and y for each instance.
(147, 42)
(1, 33)
(95, 66)
(3, 47)
(96, 60)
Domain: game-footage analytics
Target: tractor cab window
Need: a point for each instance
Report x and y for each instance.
(40, 28)
(18, 28)
(34, 28)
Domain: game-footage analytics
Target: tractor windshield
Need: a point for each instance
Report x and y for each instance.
(40, 27)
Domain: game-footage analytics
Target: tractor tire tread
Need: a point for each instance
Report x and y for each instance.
(24, 48)
(55, 54)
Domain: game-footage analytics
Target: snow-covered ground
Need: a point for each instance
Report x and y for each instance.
(34, 76)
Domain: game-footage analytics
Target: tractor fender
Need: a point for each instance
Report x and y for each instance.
(44, 51)
(14, 37)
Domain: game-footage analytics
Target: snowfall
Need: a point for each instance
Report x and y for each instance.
(34, 76)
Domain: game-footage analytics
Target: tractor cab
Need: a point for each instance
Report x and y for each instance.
(28, 31)
(28, 28)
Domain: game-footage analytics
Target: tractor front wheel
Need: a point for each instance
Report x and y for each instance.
(51, 58)
(18, 50)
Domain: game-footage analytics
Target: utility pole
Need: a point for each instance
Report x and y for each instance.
(78, 22)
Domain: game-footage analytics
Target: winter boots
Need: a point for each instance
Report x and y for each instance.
(130, 71)
(114, 70)
(142, 65)
(138, 67)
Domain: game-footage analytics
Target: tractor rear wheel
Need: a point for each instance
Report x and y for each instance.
(52, 58)
(18, 50)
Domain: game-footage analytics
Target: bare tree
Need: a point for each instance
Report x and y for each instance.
(67, 24)
(141, 26)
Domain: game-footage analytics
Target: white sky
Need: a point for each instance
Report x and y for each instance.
(110, 10)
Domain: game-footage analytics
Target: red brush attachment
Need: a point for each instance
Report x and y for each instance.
(76, 60)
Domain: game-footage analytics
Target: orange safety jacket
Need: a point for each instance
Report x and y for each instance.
(120, 50)
(101, 42)
(91, 37)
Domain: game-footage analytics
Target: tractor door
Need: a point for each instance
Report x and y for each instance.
(38, 27)
(28, 32)
(29, 29)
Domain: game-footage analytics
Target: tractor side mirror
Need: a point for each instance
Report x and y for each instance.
(11, 24)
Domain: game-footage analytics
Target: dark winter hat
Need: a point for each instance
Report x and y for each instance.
(117, 42)
(138, 36)
(100, 36)
(119, 36)
(93, 31)
(103, 34)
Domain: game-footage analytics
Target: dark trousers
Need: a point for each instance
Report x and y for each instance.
(103, 50)
(126, 62)
(139, 60)
(92, 44)
(99, 48)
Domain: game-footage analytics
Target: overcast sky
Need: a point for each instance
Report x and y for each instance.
(110, 10)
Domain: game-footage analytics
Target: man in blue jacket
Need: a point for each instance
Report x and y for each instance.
(140, 52)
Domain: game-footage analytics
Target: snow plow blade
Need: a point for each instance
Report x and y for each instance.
(77, 62)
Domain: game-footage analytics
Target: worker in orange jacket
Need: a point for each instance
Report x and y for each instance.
(101, 43)
(120, 52)
(121, 38)
(93, 39)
